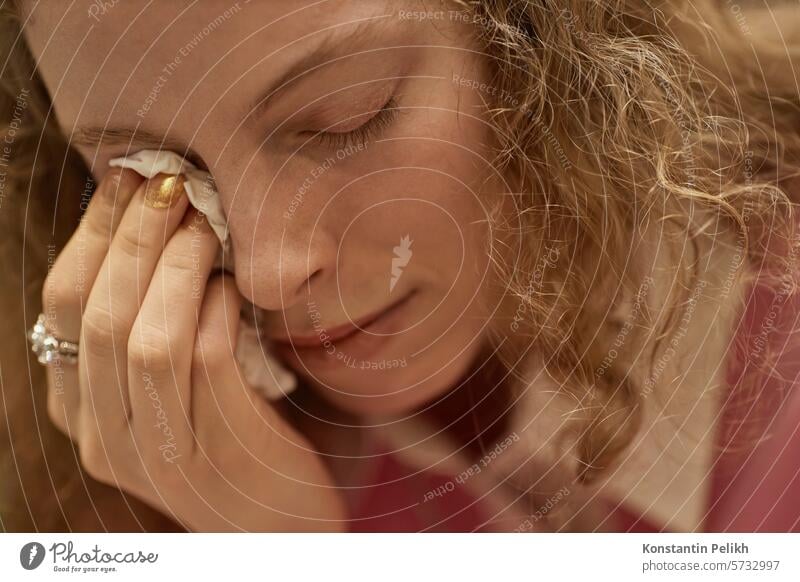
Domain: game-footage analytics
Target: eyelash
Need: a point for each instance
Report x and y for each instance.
(359, 136)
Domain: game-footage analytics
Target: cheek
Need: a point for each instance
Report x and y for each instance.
(443, 220)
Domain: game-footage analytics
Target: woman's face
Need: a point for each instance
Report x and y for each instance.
(364, 244)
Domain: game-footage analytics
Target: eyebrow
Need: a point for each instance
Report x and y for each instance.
(97, 136)
(326, 51)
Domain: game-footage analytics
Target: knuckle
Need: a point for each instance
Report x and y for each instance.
(149, 347)
(100, 227)
(100, 330)
(133, 243)
(179, 264)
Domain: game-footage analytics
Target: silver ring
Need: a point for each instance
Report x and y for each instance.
(49, 349)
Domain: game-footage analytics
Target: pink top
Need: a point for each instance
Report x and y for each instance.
(757, 490)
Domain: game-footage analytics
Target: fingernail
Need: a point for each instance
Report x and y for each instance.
(164, 193)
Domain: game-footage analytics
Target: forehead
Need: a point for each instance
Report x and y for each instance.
(100, 56)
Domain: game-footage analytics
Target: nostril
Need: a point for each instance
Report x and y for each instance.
(314, 279)
(315, 276)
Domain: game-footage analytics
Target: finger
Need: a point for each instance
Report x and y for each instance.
(67, 286)
(147, 224)
(70, 280)
(218, 387)
(159, 349)
(225, 408)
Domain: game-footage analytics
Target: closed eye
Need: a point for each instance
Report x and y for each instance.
(359, 136)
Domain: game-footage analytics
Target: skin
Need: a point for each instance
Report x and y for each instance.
(325, 258)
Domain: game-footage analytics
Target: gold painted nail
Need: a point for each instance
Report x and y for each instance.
(164, 193)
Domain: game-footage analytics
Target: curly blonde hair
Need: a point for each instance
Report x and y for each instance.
(611, 116)
(617, 116)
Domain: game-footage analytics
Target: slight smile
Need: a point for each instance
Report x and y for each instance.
(360, 339)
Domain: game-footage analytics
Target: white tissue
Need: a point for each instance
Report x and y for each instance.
(260, 368)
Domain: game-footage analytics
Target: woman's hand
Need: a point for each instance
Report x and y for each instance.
(156, 402)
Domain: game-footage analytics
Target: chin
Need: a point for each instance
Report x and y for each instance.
(396, 391)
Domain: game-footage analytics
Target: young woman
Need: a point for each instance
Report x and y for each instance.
(533, 263)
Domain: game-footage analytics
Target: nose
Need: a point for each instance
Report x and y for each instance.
(278, 269)
(277, 258)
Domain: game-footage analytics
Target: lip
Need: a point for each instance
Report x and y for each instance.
(357, 340)
(339, 332)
